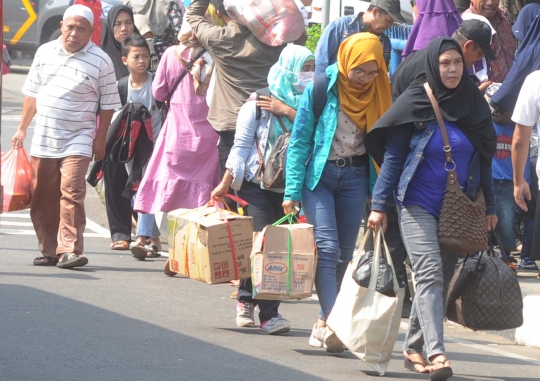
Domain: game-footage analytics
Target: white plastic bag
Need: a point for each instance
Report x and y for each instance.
(274, 22)
(366, 321)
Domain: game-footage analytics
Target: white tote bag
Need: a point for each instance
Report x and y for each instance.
(366, 321)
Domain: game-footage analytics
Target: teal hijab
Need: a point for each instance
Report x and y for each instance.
(283, 75)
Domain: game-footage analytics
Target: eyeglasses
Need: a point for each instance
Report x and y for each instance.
(361, 74)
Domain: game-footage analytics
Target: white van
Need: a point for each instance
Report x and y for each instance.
(339, 8)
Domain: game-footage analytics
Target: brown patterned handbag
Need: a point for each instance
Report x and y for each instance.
(484, 294)
(462, 221)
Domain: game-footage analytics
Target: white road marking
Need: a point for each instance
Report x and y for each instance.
(485, 348)
(105, 233)
(5, 225)
(32, 233)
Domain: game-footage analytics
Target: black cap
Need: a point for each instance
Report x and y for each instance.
(480, 33)
(391, 7)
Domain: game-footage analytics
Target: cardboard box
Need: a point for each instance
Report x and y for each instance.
(200, 246)
(272, 266)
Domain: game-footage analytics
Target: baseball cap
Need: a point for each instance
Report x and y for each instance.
(391, 7)
(479, 32)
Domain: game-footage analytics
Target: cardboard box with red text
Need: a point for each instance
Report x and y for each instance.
(200, 245)
(276, 276)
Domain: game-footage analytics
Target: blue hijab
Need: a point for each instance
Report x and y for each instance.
(528, 14)
(526, 61)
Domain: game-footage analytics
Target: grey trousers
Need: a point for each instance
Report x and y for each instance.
(433, 270)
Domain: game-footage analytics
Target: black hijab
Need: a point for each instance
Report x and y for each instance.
(412, 68)
(464, 105)
(112, 47)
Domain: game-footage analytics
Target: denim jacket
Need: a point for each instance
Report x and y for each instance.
(404, 152)
(310, 145)
(243, 160)
(335, 33)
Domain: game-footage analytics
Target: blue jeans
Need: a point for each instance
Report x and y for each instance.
(146, 226)
(506, 213)
(335, 208)
(433, 270)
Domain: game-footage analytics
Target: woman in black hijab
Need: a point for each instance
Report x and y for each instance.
(120, 24)
(407, 143)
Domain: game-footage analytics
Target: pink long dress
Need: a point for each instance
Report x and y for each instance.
(184, 167)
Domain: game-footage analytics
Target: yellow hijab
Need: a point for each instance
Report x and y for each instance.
(365, 105)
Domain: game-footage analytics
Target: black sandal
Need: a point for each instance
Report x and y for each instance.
(152, 251)
(441, 374)
(139, 252)
(72, 260)
(45, 261)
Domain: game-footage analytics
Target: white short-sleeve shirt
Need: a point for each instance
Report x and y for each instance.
(68, 90)
(527, 110)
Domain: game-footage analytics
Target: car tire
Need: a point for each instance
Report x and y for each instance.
(54, 35)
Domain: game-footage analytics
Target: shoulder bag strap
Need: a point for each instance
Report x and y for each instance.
(261, 159)
(450, 165)
(188, 68)
(282, 124)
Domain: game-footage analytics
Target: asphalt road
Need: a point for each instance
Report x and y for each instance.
(121, 319)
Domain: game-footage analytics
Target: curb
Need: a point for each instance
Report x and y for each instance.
(529, 333)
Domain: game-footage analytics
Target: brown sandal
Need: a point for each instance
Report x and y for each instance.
(45, 261)
(120, 245)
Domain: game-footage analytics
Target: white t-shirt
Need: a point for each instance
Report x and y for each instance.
(68, 89)
(527, 110)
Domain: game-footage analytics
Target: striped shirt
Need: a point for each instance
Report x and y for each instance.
(68, 89)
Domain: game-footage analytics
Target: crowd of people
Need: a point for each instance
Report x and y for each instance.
(363, 146)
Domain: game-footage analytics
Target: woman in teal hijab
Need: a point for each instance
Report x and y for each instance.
(261, 121)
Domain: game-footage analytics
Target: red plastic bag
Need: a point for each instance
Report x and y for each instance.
(16, 179)
(273, 22)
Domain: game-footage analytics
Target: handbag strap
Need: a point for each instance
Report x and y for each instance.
(282, 124)
(449, 165)
(189, 66)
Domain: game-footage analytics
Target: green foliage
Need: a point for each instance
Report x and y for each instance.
(314, 33)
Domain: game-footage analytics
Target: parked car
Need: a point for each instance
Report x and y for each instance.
(339, 8)
(22, 37)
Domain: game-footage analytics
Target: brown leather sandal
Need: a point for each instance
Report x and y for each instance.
(120, 245)
(440, 374)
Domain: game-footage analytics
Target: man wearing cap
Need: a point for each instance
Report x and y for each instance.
(380, 16)
(68, 79)
(504, 43)
(473, 37)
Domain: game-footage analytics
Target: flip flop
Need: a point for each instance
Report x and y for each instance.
(441, 374)
(139, 252)
(411, 365)
(71, 260)
(45, 261)
(120, 245)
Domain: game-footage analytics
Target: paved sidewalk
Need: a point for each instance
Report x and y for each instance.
(529, 333)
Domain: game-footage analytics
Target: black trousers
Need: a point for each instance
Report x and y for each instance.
(226, 142)
(265, 208)
(118, 208)
(535, 250)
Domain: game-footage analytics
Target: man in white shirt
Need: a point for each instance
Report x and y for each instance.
(69, 78)
(526, 116)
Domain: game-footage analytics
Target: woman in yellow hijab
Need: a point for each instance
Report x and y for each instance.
(327, 166)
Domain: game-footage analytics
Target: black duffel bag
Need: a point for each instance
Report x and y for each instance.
(484, 294)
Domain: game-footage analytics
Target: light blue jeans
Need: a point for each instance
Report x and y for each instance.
(433, 270)
(146, 223)
(335, 208)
